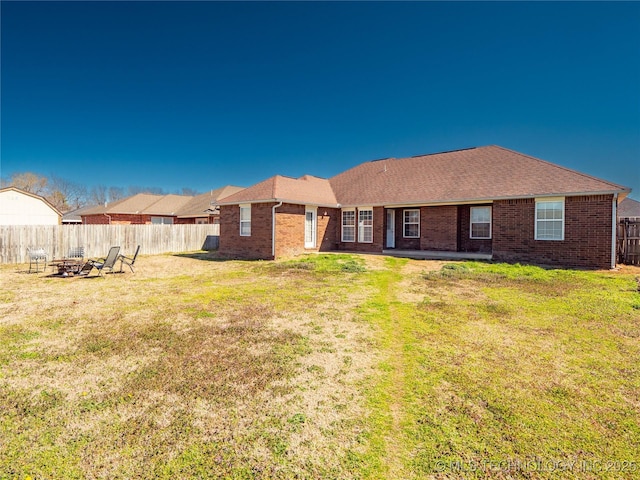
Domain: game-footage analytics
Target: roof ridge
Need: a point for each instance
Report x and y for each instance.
(443, 152)
(162, 197)
(591, 177)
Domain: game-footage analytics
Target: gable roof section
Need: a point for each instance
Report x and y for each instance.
(201, 205)
(306, 190)
(143, 203)
(75, 216)
(474, 174)
(629, 208)
(461, 176)
(34, 195)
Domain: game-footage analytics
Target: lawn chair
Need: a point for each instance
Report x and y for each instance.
(129, 261)
(76, 252)
(37, 257)
(108, 262)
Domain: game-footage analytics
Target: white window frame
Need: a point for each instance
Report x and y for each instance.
(471, 222)
(365, 225)
(348, 227)
(405, 223)
(539, 221)
(245, 220)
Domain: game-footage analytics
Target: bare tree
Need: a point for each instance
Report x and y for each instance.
(98, 195)
(58, 200)
(189, 191)
(115, 193)
(30, 182)
(65, 194)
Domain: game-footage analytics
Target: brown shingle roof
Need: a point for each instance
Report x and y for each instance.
(144, 203)
(629, 208)
(308, 190)
(473, 174)
(198, 205)
(151, 204)
(482, 173)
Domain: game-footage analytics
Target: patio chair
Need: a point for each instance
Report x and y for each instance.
(108, 262)
(76, 252)
(37, 256)
(129, 261)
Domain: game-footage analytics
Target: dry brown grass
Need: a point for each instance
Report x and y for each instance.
(329, 366)
(192, 363)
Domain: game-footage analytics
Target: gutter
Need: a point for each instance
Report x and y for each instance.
(614, 228)
(273, 228)
(284, 200)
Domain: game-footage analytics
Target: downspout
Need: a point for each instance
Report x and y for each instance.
(109, 217)
(614, 228)
(273, 228)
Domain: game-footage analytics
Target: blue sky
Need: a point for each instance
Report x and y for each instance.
(204, 94)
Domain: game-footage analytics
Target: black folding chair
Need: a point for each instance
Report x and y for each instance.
(102, 263)
(129, 261)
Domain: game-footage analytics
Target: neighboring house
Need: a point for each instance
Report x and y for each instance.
(145, 208)
(629, 208)
(200, 208)
(74, 217)
(486, 200)
(18, 207)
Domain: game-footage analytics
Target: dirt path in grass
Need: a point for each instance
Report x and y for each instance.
(393, 280)
(396, 457)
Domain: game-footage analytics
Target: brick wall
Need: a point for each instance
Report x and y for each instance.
(439, 228)
(116, 219)
(465, 242)
(587, 240)
(290, 226)
(210, 220)
(328, 224)
(290, 223)
(587, 235)
(289, 230)
(256, 246)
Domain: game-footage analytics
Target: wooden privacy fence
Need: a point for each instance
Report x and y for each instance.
(96, 239)
(629, 241)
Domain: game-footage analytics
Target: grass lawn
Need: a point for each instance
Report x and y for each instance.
(325, 366)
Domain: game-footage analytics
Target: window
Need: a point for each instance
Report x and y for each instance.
(245, 220)
(162, 220)
(365, 225)
(348, 225)
(411, 224)
(480, 222)
(549, 219)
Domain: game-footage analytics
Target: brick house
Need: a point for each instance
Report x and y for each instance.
(629, 208)
(145, 208)
(486, 202)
